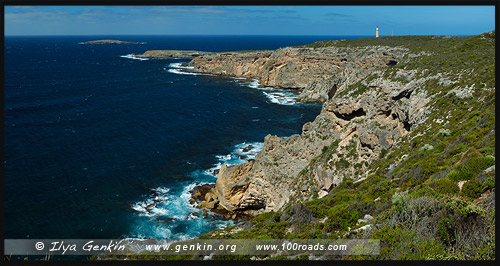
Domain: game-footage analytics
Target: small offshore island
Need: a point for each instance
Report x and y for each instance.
(403, 150)
(110, 42)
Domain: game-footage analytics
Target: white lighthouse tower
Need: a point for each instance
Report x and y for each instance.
(376, 33)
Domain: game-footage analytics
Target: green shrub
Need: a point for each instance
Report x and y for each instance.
(489, 183)
(453, 175)
(469, 154)
(425, 191)
(383, 152)
(441, 146)
(318, 211)
(341, 219)
(325, 149)
(429, 169)
(471, 168)
(346, 183)
(465, 208)
(472, 189)
(399, 199)
(342, 163)
(444, 132)
(261, 218)
(404, 244)
(427, 147)
(458, 149)
(446, 232)
(274, 230)
(446, 186)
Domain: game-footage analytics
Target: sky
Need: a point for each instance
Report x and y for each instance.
(248, 20)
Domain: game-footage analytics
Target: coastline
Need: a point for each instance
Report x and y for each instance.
(370, 113)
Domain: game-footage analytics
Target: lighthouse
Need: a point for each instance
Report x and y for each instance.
(376, 33)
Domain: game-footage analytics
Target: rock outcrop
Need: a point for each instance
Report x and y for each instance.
(363, 114)
(170, 54)
(318, 73)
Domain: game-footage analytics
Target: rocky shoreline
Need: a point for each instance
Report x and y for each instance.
(403, 148)
(170, 54)
(271, 181)
(203, 197)
(365, 113)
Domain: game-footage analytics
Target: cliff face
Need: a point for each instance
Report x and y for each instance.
(369, 105)
(318, 73)
(364, 124)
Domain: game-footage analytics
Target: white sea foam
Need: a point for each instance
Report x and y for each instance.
(254, 84)
(248, 151)
(149, 207)
(223, 158)
(132, 56)
(165, 217)
(281, 97)
(179, 71)
(241, 153)
(179, 65)
(177, 68)
(163, 212)
(276, 96)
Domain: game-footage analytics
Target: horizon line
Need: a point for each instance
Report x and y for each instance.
(186, 35)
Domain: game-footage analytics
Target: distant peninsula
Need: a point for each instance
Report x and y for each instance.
(171, 54)
(111, 42)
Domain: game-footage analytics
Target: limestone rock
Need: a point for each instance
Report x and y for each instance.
(352, 130)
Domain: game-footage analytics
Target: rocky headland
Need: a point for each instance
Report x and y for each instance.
(403, 149)
(404, 145)
(170, 54)
(359, 123)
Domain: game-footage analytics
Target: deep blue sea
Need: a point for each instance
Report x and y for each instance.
(101, 145)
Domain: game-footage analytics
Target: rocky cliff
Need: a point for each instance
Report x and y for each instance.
(363, 114)
(318, 73)
(373, 96)
(402, 152)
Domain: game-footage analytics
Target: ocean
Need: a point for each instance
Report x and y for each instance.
(101, 145)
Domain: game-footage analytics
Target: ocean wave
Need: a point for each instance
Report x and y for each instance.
(177, 68)
(241, 153)
(179, 71)
(282, 98)
(132, 56)
(149, 207)
(180, 65)
(164, 212)
(254, 84)
(277, 96)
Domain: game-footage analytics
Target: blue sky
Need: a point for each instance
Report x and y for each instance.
(248, 20)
